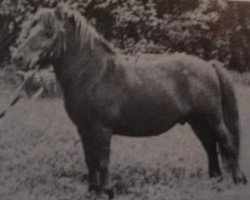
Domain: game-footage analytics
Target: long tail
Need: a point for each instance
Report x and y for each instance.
(230, 154)
(229, 107)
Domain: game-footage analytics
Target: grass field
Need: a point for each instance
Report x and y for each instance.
(41, 159)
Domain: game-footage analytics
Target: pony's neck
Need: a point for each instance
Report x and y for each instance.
(87, 64)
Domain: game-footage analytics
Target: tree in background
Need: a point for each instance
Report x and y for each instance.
(210, 29)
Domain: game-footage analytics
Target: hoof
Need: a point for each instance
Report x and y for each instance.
(95, 189)
(110, 193)
(215, 174)
(218, 179)
(240, 179)
(98, 190)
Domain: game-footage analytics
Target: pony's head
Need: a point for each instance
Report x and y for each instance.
(42, 38)
(47, 35)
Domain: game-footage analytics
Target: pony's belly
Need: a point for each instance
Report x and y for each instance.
(149, 119)
(141, 128)
(139, 132)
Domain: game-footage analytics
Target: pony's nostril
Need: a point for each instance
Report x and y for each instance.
(17, 60)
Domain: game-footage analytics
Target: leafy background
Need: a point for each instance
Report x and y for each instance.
(211, 29)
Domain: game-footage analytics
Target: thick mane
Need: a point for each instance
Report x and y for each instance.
(84, 32)
(54, 20)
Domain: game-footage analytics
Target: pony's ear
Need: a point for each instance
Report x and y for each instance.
(60, 11)
(63, 11)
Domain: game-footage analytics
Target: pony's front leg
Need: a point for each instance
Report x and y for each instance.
(96, 144)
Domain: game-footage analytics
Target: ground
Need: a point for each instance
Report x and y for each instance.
(41, 158)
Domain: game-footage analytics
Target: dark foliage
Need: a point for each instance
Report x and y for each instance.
(210, 29)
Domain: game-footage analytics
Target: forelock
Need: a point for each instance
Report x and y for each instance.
(47, 17)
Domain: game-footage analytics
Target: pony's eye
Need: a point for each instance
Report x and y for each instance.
(48, 34)
(34, 23)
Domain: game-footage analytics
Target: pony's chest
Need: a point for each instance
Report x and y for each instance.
(84, 109)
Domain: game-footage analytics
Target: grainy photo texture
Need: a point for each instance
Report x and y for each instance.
(126, 100)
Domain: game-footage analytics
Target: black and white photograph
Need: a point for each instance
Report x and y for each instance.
(124, 99)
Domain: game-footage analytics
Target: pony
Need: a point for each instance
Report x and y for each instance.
(106, 93)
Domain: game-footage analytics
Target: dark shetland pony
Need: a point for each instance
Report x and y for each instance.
(106, 94)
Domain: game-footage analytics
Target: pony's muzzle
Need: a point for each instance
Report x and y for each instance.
(17, 60)
(25, 64)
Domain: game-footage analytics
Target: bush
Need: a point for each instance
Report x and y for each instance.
(210, 29)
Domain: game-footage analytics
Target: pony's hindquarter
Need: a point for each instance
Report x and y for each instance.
(221, 126)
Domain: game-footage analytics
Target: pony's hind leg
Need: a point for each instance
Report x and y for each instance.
(208, 140)
(229, 153)
(96, 144)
